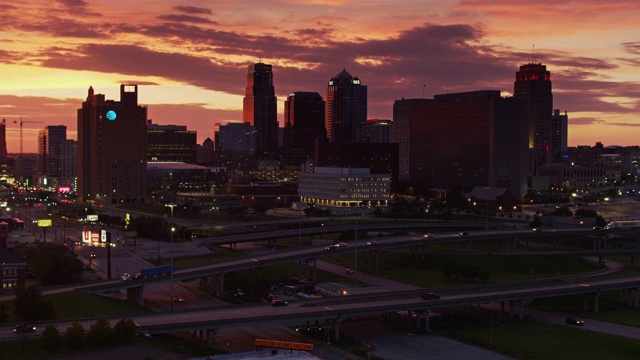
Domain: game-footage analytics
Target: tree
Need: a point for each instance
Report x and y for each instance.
(125, 330)
(54, 264)
(50, 337)
(74, 336)
(101, 333)
(450, 268)
(29, 305)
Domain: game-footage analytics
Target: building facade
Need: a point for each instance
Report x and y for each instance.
(376, 131)
(303, 124)
(235, 146)
(50, 156)
(469, 139)
(204, 153)
(401, 133)
(112, 148)
(346, 108)
(259, 109)
(171, 143)
(379, 158)
(345, 191)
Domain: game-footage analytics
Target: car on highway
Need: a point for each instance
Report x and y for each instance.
(178, 299)
(278, 302)
(336, 246)
(92, 255)
(349, 271)
(24, 329)
(574, 321)
(463, 233)
(372, 242)
(428, 236)
(125, 277)
(537, 229)
(430, 296)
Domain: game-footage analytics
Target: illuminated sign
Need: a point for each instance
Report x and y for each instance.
(63, 189)
(104, 236)
(111, 115)
(92, 217)
(284, 345)
(90, 237)
(45, 222)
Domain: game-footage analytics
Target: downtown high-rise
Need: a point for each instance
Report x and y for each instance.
(346, 108)
(57, 157)
(112, 148)
(259, 110)
(303, 126)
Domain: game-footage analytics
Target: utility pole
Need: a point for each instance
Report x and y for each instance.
(171, 250)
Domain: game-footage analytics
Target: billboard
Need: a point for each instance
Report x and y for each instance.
(64, 189)
(92, 217)
(45, 222)
(90, 237)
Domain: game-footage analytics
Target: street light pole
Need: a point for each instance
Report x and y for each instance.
(355, 268)
(171, 250)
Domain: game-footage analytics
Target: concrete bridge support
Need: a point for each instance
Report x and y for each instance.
(255, 273)
(596, 302)
(218, 284)
(336, 328)
(136, 295)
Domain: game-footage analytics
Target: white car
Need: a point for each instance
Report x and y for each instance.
(428, 236)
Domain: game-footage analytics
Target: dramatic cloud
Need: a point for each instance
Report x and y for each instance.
(186, 18)
(407, 51)
(192, 10)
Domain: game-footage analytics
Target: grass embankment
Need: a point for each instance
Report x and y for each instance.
(525, 339)
(427, 272)
(32, 348)
(78, 305)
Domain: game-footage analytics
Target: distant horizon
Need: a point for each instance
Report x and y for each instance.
(191, 62)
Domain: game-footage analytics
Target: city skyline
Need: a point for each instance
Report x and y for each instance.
(190, 57)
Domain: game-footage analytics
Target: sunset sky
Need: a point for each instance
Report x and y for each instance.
(190, 58)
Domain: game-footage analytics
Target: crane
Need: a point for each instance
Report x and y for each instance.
(22, 122)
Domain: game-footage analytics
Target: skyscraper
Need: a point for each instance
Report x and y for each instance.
(50, 146)
(112, 148)
(469, 139)
(533, 87)
(401, 133)
(259, 109)
(559, 138)
(303, 124)
(3, 139)
(346, 109)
